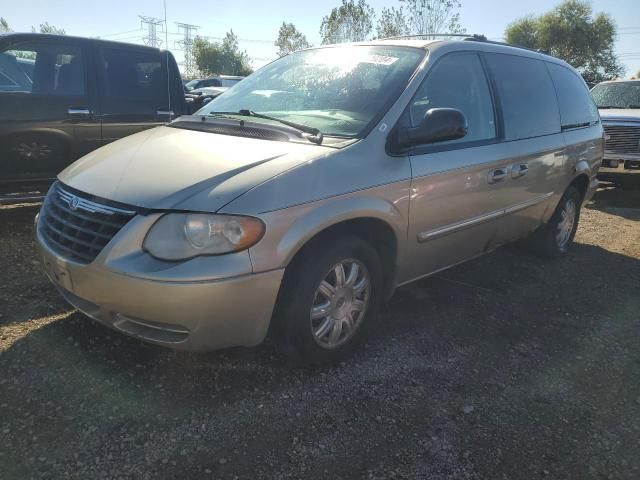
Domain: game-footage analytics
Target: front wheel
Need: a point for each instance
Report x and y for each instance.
(328, 297)
(555, 238)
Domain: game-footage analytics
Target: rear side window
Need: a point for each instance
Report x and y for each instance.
(458, 81)
(136, 81)
(44, 69)
(527, 96)
(577, 108)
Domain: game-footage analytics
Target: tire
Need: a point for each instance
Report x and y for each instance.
(555, 238)
(309, 336)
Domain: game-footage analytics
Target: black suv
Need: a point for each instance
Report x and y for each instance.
(62, 97)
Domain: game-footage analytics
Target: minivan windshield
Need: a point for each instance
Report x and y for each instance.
(617, 95)
(339, 91)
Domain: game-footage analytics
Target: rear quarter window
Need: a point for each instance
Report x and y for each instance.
(527, 96)
(577, 108)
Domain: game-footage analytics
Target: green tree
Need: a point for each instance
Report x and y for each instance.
(433, 16)
(350, 22)
(571, 32)
(46, 28)
(4, 25)
(392, 23)
(221, 58)
(290, 39)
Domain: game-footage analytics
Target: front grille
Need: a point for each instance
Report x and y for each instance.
(76, 227)
(622, 138)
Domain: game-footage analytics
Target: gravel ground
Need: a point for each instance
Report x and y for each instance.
(507, 367)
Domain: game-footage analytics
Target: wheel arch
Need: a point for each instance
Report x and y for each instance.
(53, 133)
(581, 182)
(374, 220)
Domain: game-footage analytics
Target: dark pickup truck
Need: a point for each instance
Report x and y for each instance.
(62, 97)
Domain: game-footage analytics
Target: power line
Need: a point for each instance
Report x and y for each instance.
(151, 38)
(187, 45)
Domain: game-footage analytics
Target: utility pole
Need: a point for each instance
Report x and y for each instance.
(151, 38)
(188, 30)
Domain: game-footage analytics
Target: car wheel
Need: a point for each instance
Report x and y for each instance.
(328, 297)
(555, 238)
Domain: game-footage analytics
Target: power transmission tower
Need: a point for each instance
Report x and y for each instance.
(151, 38)
(188, 30)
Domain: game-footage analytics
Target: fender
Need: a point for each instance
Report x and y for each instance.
(582, 167)
(291, 229)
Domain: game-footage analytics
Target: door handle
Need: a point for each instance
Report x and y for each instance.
(497, 175)
(518, 171)
(163, 113)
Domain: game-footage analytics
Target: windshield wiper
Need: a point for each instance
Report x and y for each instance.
(633, 106)
(609, 106)
(315, 135)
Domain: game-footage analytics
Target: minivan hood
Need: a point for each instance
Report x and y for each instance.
(620, 115)
(164, 167)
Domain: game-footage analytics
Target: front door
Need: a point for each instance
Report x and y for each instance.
(455, 205)
(46, 108)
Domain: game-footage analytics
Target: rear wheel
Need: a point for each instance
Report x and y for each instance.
(555, 238)
(328, 297)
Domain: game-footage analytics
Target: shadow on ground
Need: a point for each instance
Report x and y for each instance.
(619, 195)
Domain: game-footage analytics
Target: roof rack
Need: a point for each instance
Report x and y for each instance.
(482, 38)
(463, 36)
(433, 36)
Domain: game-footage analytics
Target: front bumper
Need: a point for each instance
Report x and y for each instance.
(203, 304)
(614, 163)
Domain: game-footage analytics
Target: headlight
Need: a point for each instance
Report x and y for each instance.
(179, 236)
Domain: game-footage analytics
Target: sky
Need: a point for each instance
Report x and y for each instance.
(256, 22)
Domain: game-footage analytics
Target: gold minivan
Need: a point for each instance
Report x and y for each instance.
(297, 201)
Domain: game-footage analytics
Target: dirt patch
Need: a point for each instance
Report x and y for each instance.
(505, 367)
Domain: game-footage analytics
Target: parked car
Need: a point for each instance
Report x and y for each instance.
(62, 97)
(205, 94)
(619, 104)
(209, 92)
(299, 214)
(220, 81)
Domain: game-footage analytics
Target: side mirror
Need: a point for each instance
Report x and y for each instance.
(438, 125)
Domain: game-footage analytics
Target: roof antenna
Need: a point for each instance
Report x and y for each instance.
(166, 42)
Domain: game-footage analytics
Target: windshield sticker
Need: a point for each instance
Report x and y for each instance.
(379, 59)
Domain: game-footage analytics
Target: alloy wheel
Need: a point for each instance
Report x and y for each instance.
(340, 303)
(566, 224)
(33, 150)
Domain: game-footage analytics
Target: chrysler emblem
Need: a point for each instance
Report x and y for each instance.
(73, 203)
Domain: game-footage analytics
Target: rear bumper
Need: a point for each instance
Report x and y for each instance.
(194, 315)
